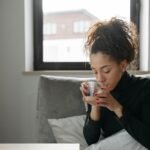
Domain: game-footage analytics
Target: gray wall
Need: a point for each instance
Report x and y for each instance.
(18, 92)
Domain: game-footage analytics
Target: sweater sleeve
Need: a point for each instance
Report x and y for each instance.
(91, 129)
(139, 129)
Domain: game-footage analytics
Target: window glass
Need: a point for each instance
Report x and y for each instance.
(65, 23)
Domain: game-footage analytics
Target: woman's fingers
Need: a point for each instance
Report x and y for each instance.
(95, 101)
(99, 95)
(83, 91)
(84, 88)
(89, 99)
(102, 94)
(102, 104)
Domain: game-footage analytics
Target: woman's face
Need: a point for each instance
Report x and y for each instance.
(107, 71)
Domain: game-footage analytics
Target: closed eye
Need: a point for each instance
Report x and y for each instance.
(106, 70)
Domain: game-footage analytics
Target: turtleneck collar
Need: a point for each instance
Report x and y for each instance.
(123, 83)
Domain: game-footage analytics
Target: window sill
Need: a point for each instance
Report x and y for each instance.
(77, 73)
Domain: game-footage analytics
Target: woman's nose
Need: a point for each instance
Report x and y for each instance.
(100, 78)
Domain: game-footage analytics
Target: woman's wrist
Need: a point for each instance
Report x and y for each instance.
(119, 111)
(95, 113)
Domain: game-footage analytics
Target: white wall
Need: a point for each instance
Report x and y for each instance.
(144, 36)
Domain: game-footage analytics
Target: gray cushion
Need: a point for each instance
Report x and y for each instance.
(69, 130)
(58, 97)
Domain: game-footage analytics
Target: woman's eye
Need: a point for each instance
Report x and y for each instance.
(106, 70)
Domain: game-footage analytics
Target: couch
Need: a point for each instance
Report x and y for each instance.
(58, 97)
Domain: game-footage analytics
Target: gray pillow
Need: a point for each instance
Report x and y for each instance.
(69, 130)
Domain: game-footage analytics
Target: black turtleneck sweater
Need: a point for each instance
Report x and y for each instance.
(133, 93)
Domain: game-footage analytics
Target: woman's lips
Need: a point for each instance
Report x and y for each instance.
(104, 87)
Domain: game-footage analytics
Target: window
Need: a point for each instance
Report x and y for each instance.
(59, 30)
(81, 26)
(49, 28)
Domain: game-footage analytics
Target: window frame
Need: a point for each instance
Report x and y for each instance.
(38, 39)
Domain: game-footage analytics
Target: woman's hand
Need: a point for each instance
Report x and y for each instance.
(95, 111)
(105, 99)
(85, 91)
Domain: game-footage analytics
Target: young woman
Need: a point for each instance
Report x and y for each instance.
(124, 102)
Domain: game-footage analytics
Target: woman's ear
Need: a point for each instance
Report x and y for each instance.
(123, 65)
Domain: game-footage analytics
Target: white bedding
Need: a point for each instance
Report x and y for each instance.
(70, 130)
(119, 141)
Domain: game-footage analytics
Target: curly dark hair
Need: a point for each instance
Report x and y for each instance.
(115, 37)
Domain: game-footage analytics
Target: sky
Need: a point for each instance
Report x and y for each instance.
(103, 9)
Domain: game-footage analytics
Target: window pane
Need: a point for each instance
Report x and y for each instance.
(65, 23)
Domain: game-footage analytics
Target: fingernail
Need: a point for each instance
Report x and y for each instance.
(97, 100)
